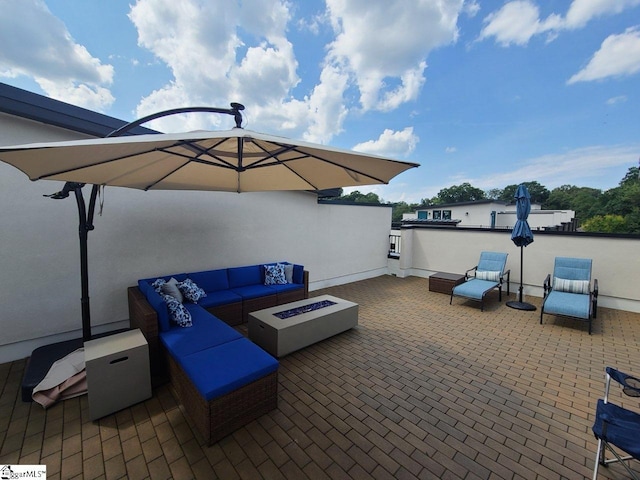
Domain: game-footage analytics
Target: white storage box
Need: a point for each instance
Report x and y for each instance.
(118, 374)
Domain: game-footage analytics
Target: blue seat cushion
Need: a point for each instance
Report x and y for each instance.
(211, 280)
(207, 331)
(474, 288)
(227, 367)
(243, 276)
(569, 304)
(221, 297)
(254, 291)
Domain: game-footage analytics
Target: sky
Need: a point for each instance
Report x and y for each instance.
(489, 92)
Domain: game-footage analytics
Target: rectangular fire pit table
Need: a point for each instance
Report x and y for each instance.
(286, 328)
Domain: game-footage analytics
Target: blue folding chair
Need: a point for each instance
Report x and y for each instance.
(571, 294)
(617, 428)
(487, 275)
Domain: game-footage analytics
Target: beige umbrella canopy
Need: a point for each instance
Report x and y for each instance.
(235, 160)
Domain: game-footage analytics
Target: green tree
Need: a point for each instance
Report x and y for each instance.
(625, 200)
(358, 197)
(399, 208)
(586, 202)
(606, 224)
(493, 194)
(459, 193)
(538, 193)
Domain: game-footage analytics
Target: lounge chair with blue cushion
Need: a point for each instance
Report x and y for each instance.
(570, 292)
(484, 277)
(616, 428)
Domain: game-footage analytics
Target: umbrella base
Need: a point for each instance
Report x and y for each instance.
(521, 306)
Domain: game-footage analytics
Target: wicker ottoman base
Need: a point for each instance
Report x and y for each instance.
(443, 282)
(219, 417)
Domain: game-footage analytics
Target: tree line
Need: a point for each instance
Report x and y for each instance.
(616, 210)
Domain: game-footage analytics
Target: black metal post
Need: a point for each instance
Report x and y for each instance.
(520, 305)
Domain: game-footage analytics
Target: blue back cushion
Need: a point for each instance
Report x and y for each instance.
(492, 262)
(211, 280)
(572, 268)
(243, 276)
(298, 274)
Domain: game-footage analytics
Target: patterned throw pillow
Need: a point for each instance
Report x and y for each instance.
(274, 275)
(157, 285)
(571, 286)
(178, 312)
(488, 275)
(191, 291)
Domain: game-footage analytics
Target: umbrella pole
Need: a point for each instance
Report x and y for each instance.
(521, 272)
(520, 305)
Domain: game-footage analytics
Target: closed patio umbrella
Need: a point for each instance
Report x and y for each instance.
(522, 236)
(235, 160)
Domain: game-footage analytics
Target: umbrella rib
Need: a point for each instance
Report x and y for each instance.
(289, 148)
(203, 151)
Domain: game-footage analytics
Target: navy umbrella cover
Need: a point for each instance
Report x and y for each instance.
(521, 234)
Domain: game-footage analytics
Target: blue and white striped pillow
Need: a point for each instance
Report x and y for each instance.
(571, 286)
(492, 276)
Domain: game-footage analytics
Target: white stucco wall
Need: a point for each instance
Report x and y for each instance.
(143, 234)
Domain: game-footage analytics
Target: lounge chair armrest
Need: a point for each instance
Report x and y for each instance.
(508, 274)
(466, 274)
(547, 284)
(595, 288)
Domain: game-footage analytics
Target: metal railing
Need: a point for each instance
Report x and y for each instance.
(394, 246)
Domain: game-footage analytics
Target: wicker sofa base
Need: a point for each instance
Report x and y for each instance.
(231, 313)
(219, 417)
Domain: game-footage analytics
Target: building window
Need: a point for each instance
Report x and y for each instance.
(446, 214)
(437, 214)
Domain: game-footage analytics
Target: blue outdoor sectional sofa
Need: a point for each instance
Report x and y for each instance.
(222, 379)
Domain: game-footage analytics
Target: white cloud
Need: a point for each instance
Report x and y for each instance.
(582, 11)
(373, 46)
(211, 64)
(450, 150)
(516, 22)
(38, 45)
(471, 8)
(391, 143)
(616, 100)
(227, 52)
(570, 168)
(619, 55)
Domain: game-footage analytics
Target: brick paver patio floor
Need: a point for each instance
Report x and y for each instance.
(420, 389)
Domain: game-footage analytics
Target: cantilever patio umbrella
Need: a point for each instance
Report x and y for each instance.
(235, 160)
(522, 236)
